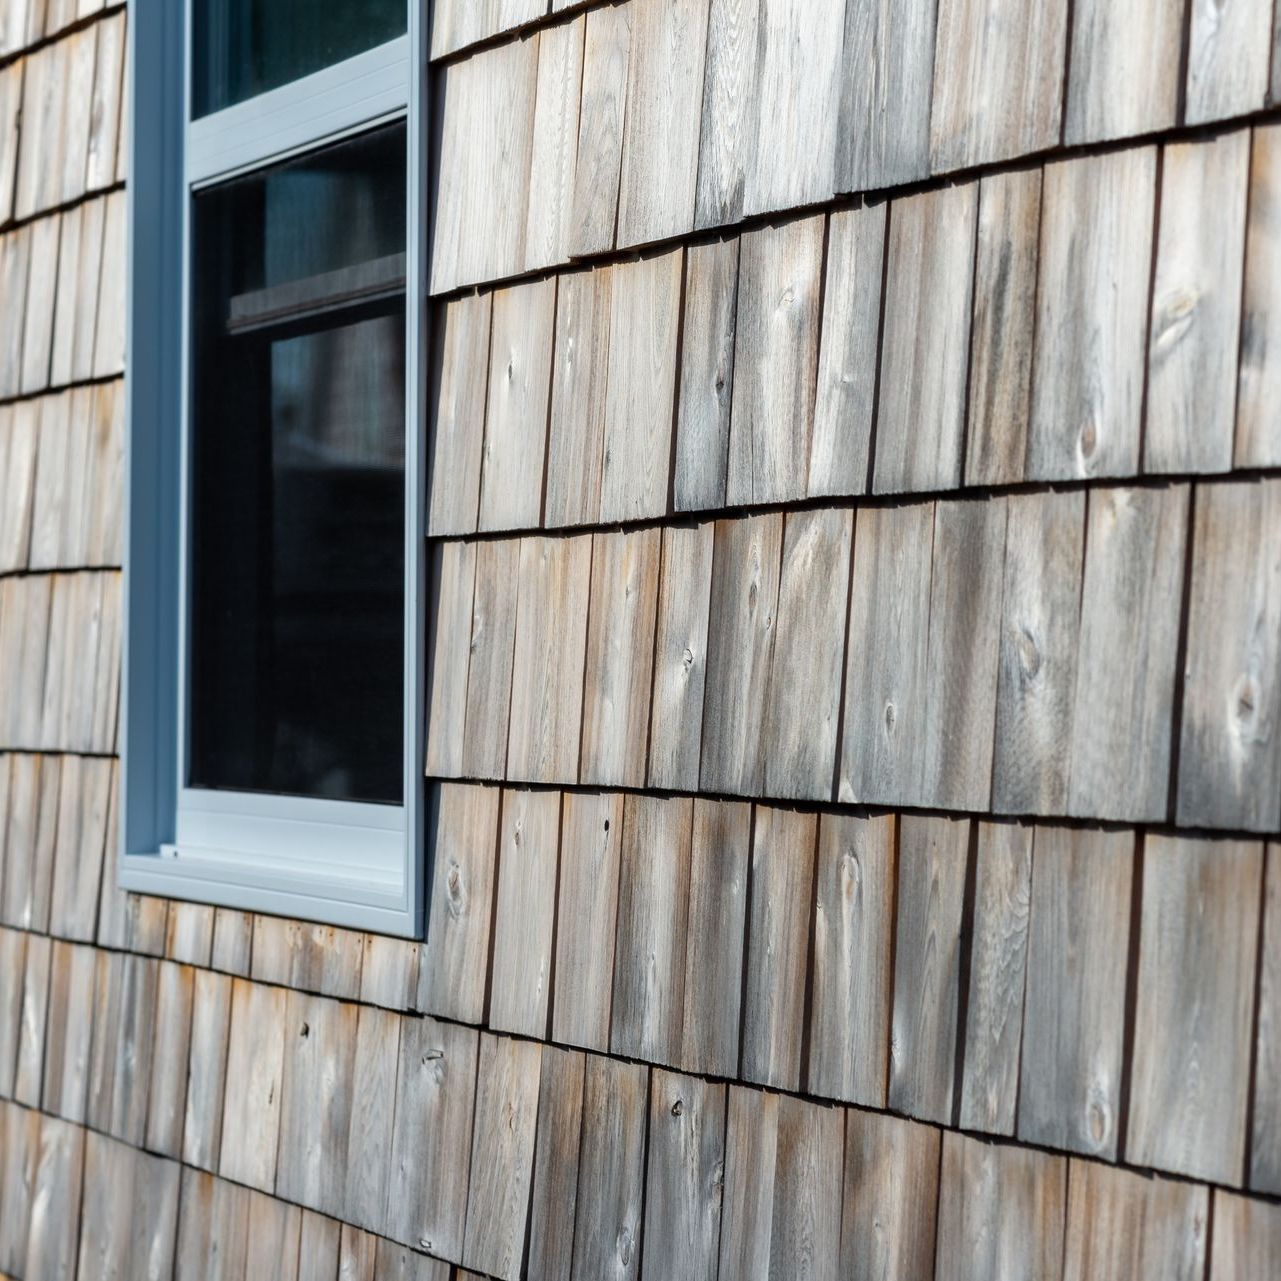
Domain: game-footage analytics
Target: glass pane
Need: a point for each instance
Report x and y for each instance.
(245, 47)
(297, 476)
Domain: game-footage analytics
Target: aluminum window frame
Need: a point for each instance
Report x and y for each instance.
(336, 862)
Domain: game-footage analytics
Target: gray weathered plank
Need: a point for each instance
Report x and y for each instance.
(502, 1156)
(1124, 62)
(210, 1027)
(318, 1246)
(13, 958)
(389, 972)
(454, 960)
(661, 120)
(116, 1242)
(1247, 1237)
(684, 1178)
(29, 1074)
(371, 1129)
(932, 858)
(1122, 722)
(18, 1156)
(587, 909)
(998, 974)
(620, 657)
(1230, 740)
(707, 375)
(805, 1227)
(964, 651)
(68, 1030)
(357, 1254)
(727, 136)
(525, 912)
(255, 1061)
(1264, 1173)
(845, 400)
(554, 1192)
(775, 362)
(189, 932)
(106, 108)
(1197, 952)
(212, 1229)
(644, 324)
(751, 1151)
(489, 671)
(455, 24)
(740, 644)
(54, 1239)
(1074, 1008)
(520, 376)
(925, 348)
(11, 78)
(1193, 343)
(1228, 56)
(882, 750)
(783, 846)
(1001, 1212)
(551, 638)
(998, 81)
(890, 1197)
(232, 941)
(611, 1171)
(1036, 687)
(1091, 313)
(170, 1054)
(1009, 225)
(888, 65)
(714, 949)
(431, 1140)
(1258, 427)
(680, 656)
(272, 1238)
(554, 151)
(454, 581)
(650, 948)
(849, 1025)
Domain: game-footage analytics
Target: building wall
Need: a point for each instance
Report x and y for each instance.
(855, 681)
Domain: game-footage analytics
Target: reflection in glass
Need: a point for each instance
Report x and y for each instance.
(245, 47)
(297, 477)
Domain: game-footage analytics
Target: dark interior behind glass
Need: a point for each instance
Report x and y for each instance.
(245, 47)
(297, 485)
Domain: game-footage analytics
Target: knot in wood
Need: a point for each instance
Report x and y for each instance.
(678, 1107)
(305, 1031)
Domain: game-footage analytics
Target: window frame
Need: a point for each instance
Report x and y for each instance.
(337, 862)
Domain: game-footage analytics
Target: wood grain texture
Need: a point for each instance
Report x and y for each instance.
(455, 24)
(685, 1170)
(650, 947)
(1230, 735)
(11, 78)
(965, 610)
(845, 399)
(1227, 59)
(924, 351)
(121, 1064)
(68, 1029)
(520, 373)
(1247, 1237)
(606, 57)
(998, 973)
(431, 1144)
(645, 302)
(272, 1238)
(1124, 64)
(1194, 342)
(661, 121)
(751, 1151)
(1122, 1224)
(454, 961)
(1258, 430)
(882, 749)
(1198, 946)
(551, 637)
(620, 657)
(778, 937)
(998, 81)
(1001, 1211)
(554, 1192)
(1074, 1009)
(212, 1229)
(525, 912)
(883, 138)
(586, 915)
(707, 375)
(389, 972)
(580, 371)
(719, 853)
(1125, 680)
(1005, 274)
(554, 151)
(740, 645)
(454, 580)
(17, 1180)
(170, 1060)
(206, 1081)
(458, 418)
(611, 1171)
(232, 941)
(13, 959)
(255, 1062)
(805, 1228)
(803, 694)
(489, 670)
(775, 362)
(1040, 619)
(680, 655)
(371, 1131)
(932, 858)
(727, 135)
(54, 1235)
(890, 1197)
(107, 106)
(1264, 1172)
(1091, 313)
(849, 1022)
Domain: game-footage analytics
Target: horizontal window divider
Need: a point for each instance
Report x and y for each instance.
(320, 295)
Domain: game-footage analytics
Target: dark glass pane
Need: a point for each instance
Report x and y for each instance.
(297, 476)
(245, 47)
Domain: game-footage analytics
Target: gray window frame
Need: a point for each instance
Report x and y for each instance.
(354, 865)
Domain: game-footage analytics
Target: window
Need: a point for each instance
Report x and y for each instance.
(274, 564)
